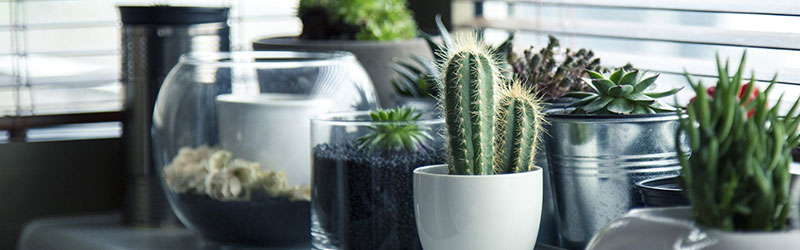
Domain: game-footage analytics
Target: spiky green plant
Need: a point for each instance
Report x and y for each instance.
(394, 130)
(518, 126)
(485, 137)
(416, 79)
(737, 177)
(470, 77)
(623, 92)
(381, 20)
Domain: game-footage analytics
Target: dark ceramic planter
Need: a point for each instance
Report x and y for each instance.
(662, 192)
(376, 57)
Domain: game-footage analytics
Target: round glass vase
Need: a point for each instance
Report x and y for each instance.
(231, 134)
(362, 196)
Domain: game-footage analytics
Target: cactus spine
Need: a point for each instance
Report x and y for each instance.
(470, 76)
(518, 125)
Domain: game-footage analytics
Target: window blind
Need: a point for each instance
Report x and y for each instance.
(60, 59)
(665, 36)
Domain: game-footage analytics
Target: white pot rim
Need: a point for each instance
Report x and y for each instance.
(431, 170)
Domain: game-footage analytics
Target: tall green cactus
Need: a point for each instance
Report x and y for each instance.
(518, 125)
(468, 91)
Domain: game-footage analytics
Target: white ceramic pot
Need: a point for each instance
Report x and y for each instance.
(477, 211)
(271, 129)
(673, 228)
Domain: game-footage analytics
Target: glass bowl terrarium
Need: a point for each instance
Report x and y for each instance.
(362, 181)
(231, 136)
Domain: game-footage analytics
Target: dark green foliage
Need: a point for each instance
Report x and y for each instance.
(381, 20)
(394, 131)
(737, 177)
(623, 92)
(550, 79)
(418, 79)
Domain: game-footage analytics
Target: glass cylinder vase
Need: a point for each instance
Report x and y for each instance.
(362, 193)
(231, 134)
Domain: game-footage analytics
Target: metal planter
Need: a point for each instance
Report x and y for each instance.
(595, 161)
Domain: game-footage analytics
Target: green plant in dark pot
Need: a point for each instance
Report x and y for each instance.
(618, 125)
(362, 175)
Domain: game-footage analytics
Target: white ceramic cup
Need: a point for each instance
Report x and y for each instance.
(477, 211)
(271, 129)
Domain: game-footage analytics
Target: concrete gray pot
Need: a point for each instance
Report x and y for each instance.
(376, 57)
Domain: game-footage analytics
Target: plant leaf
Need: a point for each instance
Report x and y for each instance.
(616, 75)
(595, 75)
(597, 104)
(645, 84)
(660, 106)
(579, 94)
(620, 90)
(629, 78)
(620, 106)
(663, 94)
(603, 85)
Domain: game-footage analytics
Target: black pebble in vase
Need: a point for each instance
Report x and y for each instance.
(365, 200)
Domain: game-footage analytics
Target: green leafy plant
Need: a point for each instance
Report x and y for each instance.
(394, 130)
(485, 137)
(381, 20)
(737, 177)
(418, 79)
(623, 92)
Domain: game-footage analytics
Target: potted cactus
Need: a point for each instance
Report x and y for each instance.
(489, 194)
(375, 31)
(598, 147)
(362, 174)
(737, 177)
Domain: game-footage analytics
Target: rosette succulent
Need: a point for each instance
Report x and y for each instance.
(623, 92)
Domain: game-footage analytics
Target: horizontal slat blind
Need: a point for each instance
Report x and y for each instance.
(62, 56)
(667, 36)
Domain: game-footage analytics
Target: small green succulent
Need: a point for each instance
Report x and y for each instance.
(394, 130)
(370, 20)
(623, 92)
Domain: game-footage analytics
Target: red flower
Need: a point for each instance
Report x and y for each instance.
(753, 94)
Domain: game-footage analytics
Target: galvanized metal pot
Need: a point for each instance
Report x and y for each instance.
(595, 161)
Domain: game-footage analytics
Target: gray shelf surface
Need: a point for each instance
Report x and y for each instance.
(103, 232)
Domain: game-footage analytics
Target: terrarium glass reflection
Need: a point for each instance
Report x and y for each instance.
(231, 135)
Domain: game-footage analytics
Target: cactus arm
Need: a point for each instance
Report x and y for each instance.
(518, 125)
